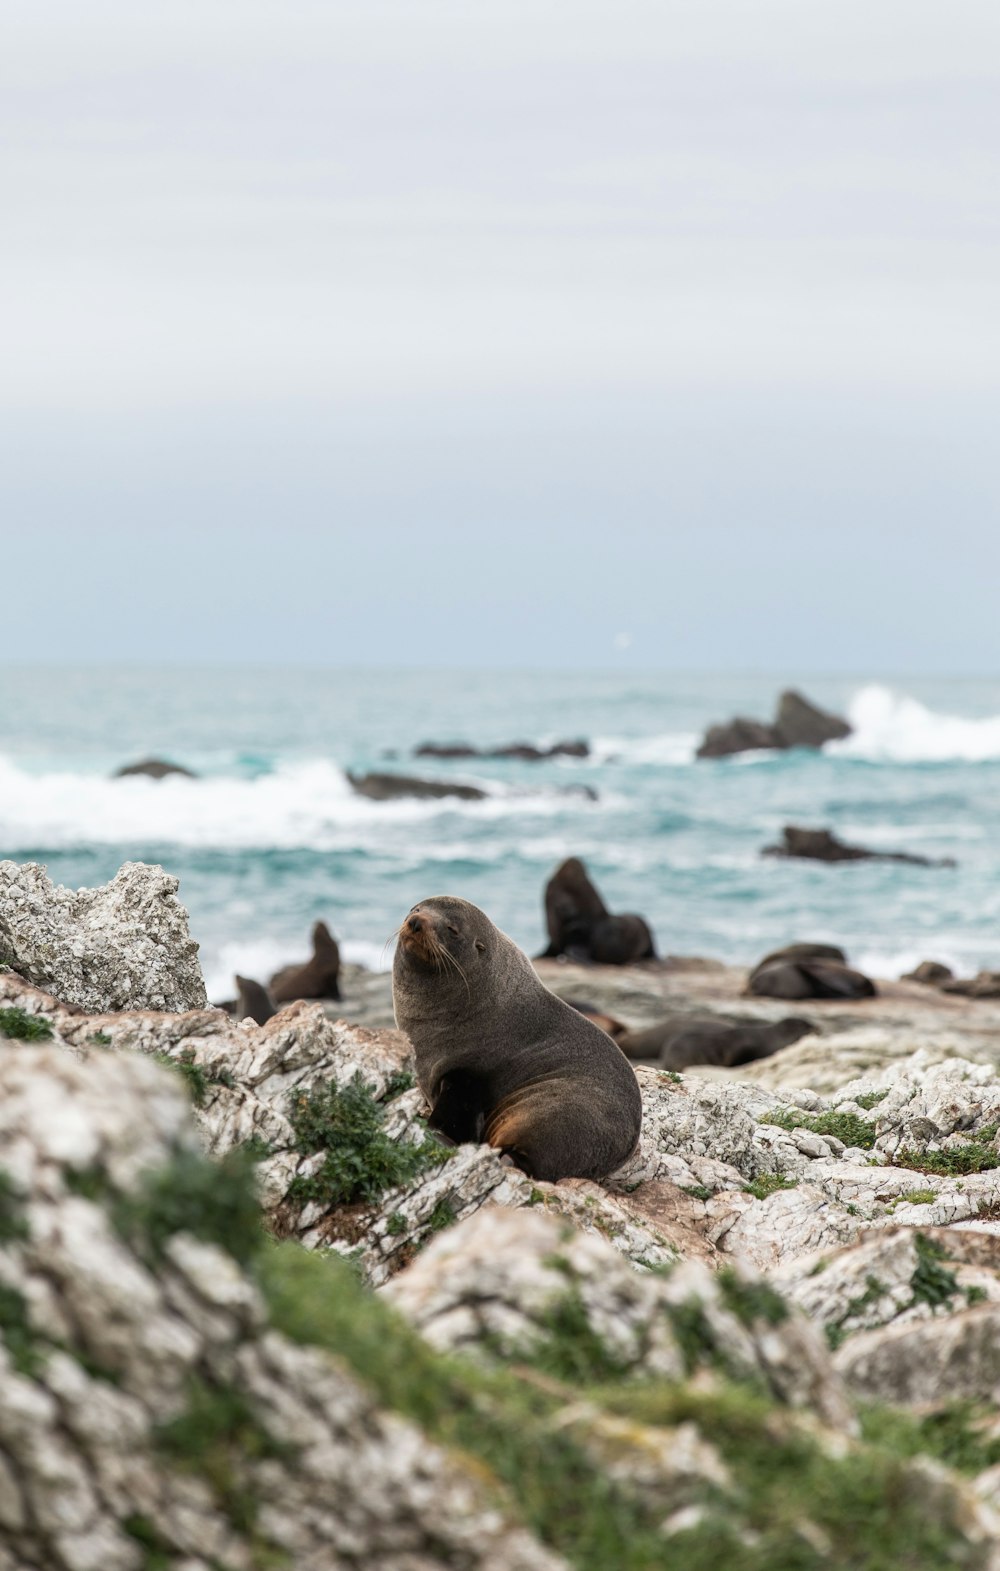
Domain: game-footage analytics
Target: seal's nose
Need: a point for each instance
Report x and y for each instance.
(415, 924)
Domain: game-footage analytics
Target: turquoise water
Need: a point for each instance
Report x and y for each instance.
(272, 837)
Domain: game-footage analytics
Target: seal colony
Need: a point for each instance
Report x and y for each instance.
(500, 1058)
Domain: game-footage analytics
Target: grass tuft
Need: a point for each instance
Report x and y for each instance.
(22, 1027)
(360, 1162)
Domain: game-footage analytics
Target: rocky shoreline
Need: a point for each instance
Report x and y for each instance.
(771, 1337)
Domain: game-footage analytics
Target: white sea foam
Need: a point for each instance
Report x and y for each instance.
(675, 747)
(261, 957)
(298, 805)
(893, 727)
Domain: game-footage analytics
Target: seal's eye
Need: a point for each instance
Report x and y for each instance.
(453, 929)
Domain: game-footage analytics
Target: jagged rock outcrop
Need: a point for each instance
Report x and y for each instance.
(797, 723)
(149, 1413)
(317, 1101)
(126, 945)
(498, 1282)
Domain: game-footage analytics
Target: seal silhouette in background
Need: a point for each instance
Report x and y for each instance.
(252, 1002)
(500, 1058)
(581, 927)
(318, 978)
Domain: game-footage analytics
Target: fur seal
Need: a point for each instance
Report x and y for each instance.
(500, 1058)
(681, 1041)
(581, 927)
(252, 1001)
(318, 978)
(572, 906)
(807, 978)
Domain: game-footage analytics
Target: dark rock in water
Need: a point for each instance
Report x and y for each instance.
(445, 750)
(985, 985)
(389, 788)
(585, 791)
(737, 736)
(809, 979)
(681, 1040)
(797, 723)
(821, 845)
(317, 978)
(155, 769)
(526, 752)
(252, 1002)
(581, 926)
(930, 972)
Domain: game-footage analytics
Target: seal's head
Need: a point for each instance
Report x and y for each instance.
(444, 934)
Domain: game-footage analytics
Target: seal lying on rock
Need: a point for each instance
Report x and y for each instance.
(681, 1042)
(581, 927)
(318, 978)
(808, 971)
(502, 1059)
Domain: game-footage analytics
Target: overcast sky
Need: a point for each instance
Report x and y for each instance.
(643, 332)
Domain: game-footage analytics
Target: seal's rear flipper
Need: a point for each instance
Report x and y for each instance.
(459, 1111)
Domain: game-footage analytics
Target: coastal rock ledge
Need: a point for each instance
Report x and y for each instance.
(126, 945)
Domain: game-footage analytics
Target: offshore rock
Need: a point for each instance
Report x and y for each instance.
(126, 945)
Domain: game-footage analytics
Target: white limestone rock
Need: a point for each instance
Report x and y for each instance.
(106, 1337)
(123, 946)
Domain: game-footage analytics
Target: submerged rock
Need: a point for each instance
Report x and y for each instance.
(822, 845)
(388, 788)
(125, 945)
(155, 769)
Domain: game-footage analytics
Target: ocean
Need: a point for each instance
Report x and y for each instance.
(272, 837)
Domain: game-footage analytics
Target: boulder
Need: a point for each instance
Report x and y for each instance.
(930, 972)
(155, 769)
(799, 723)
(738, 736)
(389, 788)
(125, 945)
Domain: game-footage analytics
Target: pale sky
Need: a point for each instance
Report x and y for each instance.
(664, 334)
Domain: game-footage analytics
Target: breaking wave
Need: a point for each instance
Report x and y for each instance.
(891, 727)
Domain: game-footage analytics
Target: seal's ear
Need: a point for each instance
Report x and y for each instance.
(480, 946)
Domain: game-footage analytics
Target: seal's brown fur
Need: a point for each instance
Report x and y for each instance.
(318, 978)
(501, 1058)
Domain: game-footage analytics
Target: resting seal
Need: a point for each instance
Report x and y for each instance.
(502, 1059)
(318, 978)
(682, 1041)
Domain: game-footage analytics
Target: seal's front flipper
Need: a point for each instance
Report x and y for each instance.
(459, 1111)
